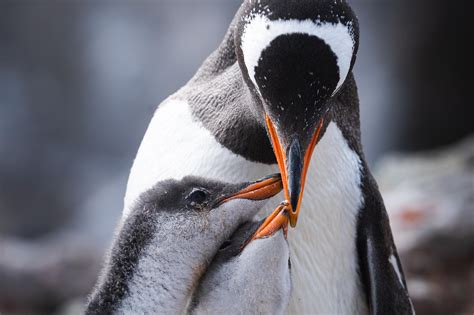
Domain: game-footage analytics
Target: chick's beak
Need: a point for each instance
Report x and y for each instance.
(259, 190)
(293, 163)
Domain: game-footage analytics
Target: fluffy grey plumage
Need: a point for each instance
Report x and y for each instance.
(253, 281)
(164, 247)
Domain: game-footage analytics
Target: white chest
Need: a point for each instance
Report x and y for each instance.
(322, 246)
(323, 249)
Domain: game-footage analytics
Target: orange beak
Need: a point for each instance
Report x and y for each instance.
(274, 222)
(293, 171)
(260, 190)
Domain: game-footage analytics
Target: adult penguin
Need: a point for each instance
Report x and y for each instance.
(278, 88)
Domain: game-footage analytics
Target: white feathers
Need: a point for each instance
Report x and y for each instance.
(393, 262)
(175, 145)
(323, 247)
(260, 32)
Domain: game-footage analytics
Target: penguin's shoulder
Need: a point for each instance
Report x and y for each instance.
(177, 144)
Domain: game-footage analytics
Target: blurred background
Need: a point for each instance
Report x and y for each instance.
(80, 80)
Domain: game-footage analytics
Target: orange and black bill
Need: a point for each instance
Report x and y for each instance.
(274, 222)
(293, 162)
(260, 190)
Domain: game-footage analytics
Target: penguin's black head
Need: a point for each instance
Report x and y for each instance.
(295, 55)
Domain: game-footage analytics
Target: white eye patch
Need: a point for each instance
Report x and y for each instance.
(260, 32)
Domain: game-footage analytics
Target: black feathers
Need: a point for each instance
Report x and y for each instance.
(386, 293)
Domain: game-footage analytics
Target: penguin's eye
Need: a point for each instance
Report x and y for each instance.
(197, 196)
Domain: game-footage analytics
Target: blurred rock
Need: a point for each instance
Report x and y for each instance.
(37, 276)
(55, 273)
(430, 200)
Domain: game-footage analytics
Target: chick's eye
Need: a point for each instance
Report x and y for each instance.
(197, 196)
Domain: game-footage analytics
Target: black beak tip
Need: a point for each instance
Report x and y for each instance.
(294, 202)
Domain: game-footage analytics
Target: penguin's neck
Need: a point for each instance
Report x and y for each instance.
(323, 245)
(224, 105)
(221, 100)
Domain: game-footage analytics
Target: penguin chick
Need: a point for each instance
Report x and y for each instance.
(164, 247)
(255, 280)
